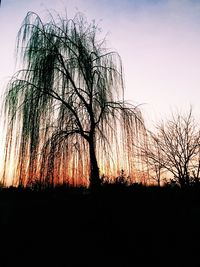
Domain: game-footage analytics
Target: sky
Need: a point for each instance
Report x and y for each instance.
(158, 41)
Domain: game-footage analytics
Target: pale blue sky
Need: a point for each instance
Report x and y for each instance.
(159, 42)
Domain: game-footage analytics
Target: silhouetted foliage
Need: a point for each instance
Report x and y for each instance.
(65, 110)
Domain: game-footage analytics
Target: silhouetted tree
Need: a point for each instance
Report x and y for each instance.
(65, 106)
(175, 147)
(151, 156)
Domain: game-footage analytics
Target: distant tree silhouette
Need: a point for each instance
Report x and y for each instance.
(175, 148)
(65, 106)
(151, 155)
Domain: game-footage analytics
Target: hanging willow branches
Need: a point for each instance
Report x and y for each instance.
(65, 112)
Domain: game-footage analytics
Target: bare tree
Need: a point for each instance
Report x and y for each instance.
(151, 156)
(175, 148)
(65, 107)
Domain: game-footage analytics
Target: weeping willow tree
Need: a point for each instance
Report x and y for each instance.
(65, 111)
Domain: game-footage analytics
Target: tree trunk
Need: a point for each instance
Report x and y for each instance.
(94, 169)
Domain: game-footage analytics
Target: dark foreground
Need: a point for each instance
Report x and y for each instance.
(120, 226)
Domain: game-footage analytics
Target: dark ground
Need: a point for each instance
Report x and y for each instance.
(120, 226)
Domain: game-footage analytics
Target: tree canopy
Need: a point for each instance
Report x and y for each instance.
(65, 112)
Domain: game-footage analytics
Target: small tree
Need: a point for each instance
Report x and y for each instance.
(65, 106)
(175, 148)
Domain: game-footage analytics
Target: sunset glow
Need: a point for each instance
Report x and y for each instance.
(99, 132)
(158, 42)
